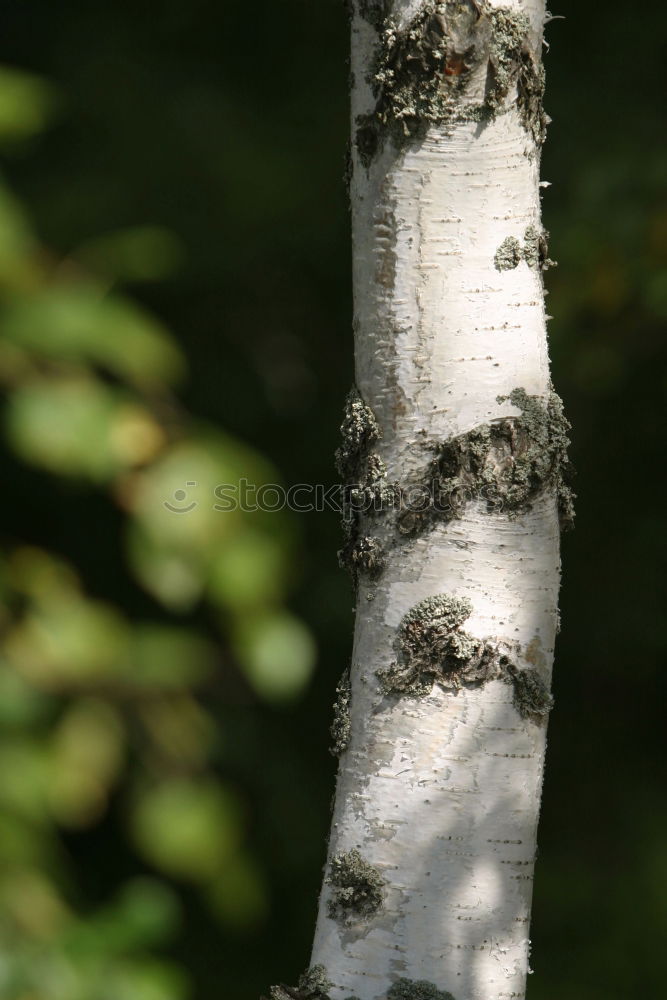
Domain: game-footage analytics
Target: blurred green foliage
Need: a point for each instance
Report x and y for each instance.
(174, 260)
(98, 705)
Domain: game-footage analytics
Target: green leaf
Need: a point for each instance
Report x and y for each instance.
(68, 640)
(249, 570)
(27, 104)
(179, 535)
(167, 657)
(16, 238)
(143, 979)
(24, 841)
(173, 577)
(142, 253)
(79, 323)
(145, 913)
(65, 426)
(21, 706)
(85, 761)
(24, 778)
(277, 653)
(187, 828)
(239, 895)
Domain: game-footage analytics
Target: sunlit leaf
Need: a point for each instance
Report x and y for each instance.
(175, 498)
(40, 575)
(65, 426)
(68, 640)
(32, 903)
(173, 577)
(183, 523)
(78, 323)
(187, 828)
(24, 776)
(277, 653)
(85, 760)
(249, 570)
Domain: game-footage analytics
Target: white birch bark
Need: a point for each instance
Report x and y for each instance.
(441, 793)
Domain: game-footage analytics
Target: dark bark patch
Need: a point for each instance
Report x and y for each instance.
(359, 432)
(348, 168)
(425, 72)
(507, 464)
(358, 888)
(532, 697)
(313, 985)
(368, 138)
(361, 554)
(340, 727)
(432, 648)
(375, 12)
(410, 989)
(365, 491)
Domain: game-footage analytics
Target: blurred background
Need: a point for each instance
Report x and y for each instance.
(175, 309)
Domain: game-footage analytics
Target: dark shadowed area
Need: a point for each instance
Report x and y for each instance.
(175, 315)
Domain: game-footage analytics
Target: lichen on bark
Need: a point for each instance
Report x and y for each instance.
(432, 648)
(365, 491)
(507, 464)
(313, 985)
(361, 553)
(358, 887)
(532, 697)
(410, 989)
(535, 251)
(359, 431)
(455, 60)
(340, 727)
(374, 11)
(508, 255)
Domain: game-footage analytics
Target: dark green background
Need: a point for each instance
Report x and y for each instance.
(227, 124)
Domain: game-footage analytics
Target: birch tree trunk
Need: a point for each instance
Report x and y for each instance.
(428, 882)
